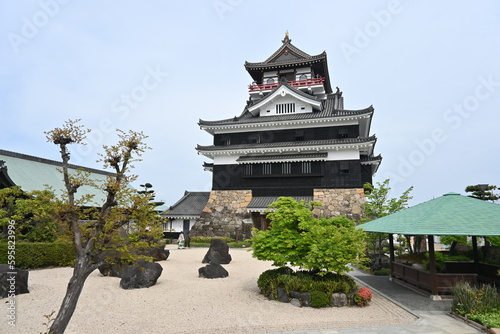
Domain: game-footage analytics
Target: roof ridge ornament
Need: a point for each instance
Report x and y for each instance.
(286, 39)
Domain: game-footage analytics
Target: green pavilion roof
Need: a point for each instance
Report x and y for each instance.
(450, 214)
(35, 173)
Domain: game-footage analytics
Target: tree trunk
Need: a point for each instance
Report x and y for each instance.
(83, 268)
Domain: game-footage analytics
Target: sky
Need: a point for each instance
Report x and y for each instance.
(431, 70)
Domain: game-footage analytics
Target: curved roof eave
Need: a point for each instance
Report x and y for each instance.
(326, 114)
(278, 145)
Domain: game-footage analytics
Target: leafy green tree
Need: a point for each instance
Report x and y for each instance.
(378, 205)
(35, 214)
(296, 238)
(104, 227)
(453, 241)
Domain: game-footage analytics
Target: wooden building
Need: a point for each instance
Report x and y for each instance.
(294, 138)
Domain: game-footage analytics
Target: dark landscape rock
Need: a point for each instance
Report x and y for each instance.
(213, 270)
(112, 269)
(305, 297)
(142, 274)
(294, 294)
(157, 253)
(115, 269)
(282, 295)
(217, 253)
(12, 281)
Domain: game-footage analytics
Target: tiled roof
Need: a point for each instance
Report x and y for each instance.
(450, 214)
(35, 173)
(287, 53)
(366, 159)
(191, 205)
(344, 141)
(259, 203)
(248, 118)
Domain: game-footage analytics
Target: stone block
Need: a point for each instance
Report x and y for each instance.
(339, 299)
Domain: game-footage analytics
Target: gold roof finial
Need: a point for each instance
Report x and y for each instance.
(287, 38)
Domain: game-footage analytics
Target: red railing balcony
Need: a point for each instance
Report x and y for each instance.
(296, 83)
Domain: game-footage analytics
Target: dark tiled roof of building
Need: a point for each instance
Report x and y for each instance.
(247, 117)
(371, 159)
(344, 141)
(190, 205)
(264, 202)
(287, 53)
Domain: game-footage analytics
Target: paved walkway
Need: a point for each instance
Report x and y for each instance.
(434, 315)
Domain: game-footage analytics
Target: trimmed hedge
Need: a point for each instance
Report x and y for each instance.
(207, 240)
(303, 281)
(31, 255)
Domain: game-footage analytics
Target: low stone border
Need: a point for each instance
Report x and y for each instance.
(303, 299)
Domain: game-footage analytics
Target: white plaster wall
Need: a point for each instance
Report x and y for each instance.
(343, 155)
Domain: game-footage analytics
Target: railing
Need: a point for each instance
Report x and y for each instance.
(296, 83)
(422, 280)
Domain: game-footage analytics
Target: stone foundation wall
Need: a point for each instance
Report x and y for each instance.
(225, 215)
(339, 202)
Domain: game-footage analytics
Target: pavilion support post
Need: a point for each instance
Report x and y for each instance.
(432, 267)
(391, 254)
(476, 254)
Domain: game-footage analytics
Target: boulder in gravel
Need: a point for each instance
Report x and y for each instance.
(213, 270)
(142, 274)
(218, 252)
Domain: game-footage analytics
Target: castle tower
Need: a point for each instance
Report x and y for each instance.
(294, 138)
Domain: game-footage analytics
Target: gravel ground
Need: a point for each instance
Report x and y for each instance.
(181, 302)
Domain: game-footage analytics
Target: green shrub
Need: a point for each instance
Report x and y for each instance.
(479, 304)
(303, 281)
(31, 255)
(441, 258)
(491, 320)
(319, 299)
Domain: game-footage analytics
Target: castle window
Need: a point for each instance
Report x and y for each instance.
(253, 139)
(299, 135)
(344, 167)
(285, 108)
(303, 77)
(225, 140)
(286, 168)
(270, 81)
(343, 132)
(247, 170)
(306, 167)
(266, 169)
